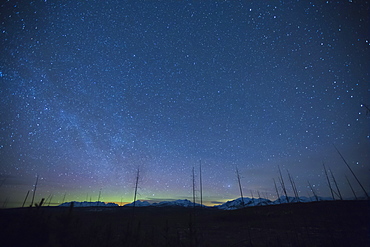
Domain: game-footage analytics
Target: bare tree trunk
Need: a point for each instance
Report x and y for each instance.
(200, 183)
(64, 197)
(193, 176)
(313, 191)
(259, 197)
(47, 198)
(277, 192)
(50, 197)
(34, 190)
(132, 218)
(252, 197)
(38, 206)
(50, 200)
(293, 187)
(283, 185)
(98, 197)
(240, 186)
(296, 190)
(358, 181)
(351, 188)
(336, 185)
(136, 184)
(327, 179)
(25, 199)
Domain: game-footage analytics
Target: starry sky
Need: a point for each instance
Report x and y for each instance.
(93, 90)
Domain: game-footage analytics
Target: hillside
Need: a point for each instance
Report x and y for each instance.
(326, 223)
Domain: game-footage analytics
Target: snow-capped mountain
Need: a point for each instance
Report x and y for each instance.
(139, 203)
(229, 205)
(290, 199)
(248, 202)
(178, 203)
(88, 204)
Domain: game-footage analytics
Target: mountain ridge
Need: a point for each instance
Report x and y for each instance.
(229, 205)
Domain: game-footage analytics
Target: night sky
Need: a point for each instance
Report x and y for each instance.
(93, 90)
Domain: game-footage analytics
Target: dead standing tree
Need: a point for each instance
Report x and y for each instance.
(295, 191)
(259, 197)
(336, 185)
(327, 179)
(25, 199)
(281, 180)
(240, 186)
(350, 185)
(129, 231)
(133, 232)
(97, 203)
(277, 191)
(193, 177)
(358, 181)
(200, 183)
(136, 184)
(313, 191)
(252, 196)
(34, 190)
(64, 197)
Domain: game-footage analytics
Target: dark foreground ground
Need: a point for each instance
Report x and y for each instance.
(336, 223)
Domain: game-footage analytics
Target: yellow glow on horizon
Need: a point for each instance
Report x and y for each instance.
(209, 204)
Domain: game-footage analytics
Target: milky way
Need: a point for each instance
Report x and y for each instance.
(93, 90)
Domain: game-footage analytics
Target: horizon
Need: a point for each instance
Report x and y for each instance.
(197, 201)
(209, 204)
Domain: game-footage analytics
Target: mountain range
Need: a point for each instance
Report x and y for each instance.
(250, 202)
(177, 203)
(229, 205)
(88, 204)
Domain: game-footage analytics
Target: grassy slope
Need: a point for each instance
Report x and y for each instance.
(338, 223)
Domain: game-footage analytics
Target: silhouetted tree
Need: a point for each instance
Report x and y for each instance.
(193, 178)
(240, 185)
(313, 191)
(358, 181)
(200, 183)
(329, 184)
(34, 190)
(277, 191)
(281, 180)
(97, 203)
(336, 185)
(25, 199)
(351, 187)
(64, 197)
(136, 184)
(295, 191)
